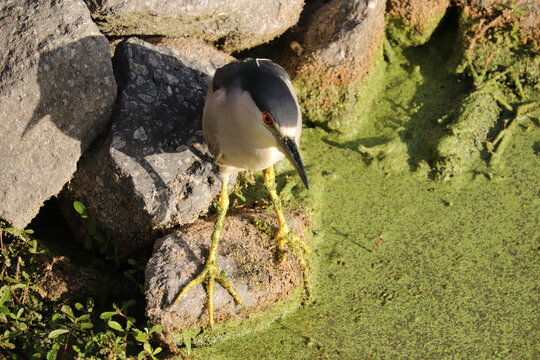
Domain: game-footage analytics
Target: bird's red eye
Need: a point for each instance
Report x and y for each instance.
(267, 119)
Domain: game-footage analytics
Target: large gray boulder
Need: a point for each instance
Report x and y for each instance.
(57, 91)
(231, 24)
(268, 289)
(152, 171)
(336, 50)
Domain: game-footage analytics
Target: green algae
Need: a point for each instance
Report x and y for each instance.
(340, 107)
(406, 34)
(504, 72)
(407, 267)
(463, 146)
(411, 268)
(202, 336)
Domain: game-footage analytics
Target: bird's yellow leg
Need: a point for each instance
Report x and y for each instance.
(283, 236)
(211, 272)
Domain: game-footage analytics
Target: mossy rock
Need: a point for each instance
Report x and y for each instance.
(461, 148)
(340, 106)
(268, 289)
(412, 22)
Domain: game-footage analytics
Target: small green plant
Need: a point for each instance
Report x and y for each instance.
(94, 238)
(32, 326)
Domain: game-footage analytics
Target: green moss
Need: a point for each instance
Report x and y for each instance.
(462, 147)
(340, 107)
(411, 268)
(505, 73)
(236, 327)
(405, 34)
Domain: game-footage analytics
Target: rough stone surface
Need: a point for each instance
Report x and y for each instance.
(411, 22)
(248, 256)
(57, 91)
(152, 171)
(336, 46)
(234, 25)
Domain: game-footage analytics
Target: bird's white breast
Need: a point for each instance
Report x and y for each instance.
(235, 133)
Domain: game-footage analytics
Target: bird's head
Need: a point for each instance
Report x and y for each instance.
(272, 92)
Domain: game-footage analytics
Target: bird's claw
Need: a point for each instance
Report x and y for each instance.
(209, 275)
(287, 241)
(290, 240)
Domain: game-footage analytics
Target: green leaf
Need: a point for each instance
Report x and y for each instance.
(147, 347)
(83, 317)
(141, 336)
(240, 196)
(66, 309)
(115, 325)
(56, 333)
(79, 306)
(51, 355)
(29, 231)
(128, 274)
(156, 328)
(86, 325)
(4, 294)
(80, 208)
(157, 351)
(4, 310)
(99, 238)
(106, 315)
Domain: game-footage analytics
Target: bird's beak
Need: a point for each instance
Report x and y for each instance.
(291, 150)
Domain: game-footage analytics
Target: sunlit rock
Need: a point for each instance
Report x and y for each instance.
(152, 171)
(57, 92)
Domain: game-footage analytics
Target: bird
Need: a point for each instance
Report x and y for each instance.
(251, 120)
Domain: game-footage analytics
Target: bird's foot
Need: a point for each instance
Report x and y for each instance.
(286, 242)
(209, 275)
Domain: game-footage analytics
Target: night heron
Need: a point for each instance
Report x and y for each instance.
(251, 121)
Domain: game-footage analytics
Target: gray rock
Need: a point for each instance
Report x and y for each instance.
(57, 91)
(234, 25)
(335, 48)
(153, 170)
(267, 289)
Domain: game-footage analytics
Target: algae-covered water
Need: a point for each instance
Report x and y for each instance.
(407, 267)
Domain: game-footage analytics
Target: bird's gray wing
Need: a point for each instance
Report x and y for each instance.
(213, 108)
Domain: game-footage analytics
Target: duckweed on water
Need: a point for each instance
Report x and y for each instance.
(408, 267)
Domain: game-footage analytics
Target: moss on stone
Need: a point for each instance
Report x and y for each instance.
(200, 336)
(337, 106)
(406, 34)
(462, 147)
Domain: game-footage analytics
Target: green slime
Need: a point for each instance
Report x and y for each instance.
(407, 267)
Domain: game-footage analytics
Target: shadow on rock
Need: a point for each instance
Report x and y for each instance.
(152, 171)
(72, 93)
